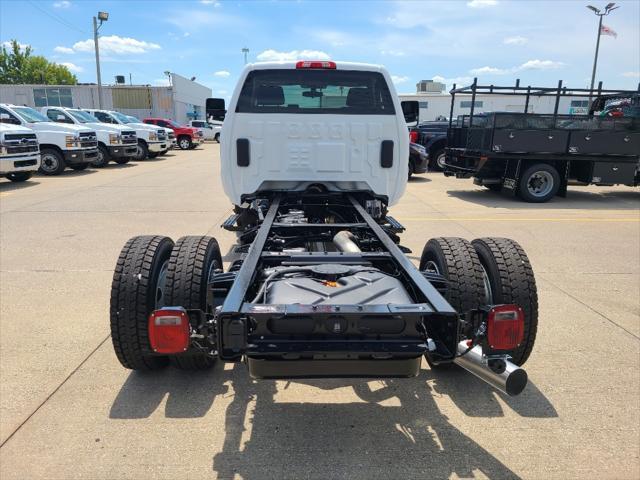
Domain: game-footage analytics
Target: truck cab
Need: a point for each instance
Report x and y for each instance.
(61, 145)
(291, 125)
(210, 131)
(19, 152)
(151, 141)
(115, 142)
(187, 137)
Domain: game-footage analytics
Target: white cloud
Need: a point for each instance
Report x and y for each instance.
(72, 67)
(399, 78)
(62, 4)
(517, 40)
(64, 50)
(117, 45)
(222, 73)
(528, 65)
(489, 71)
(276, 56)
(482, 3)
(186, 34)
(631, 74)
(21, 46)
(540, 65)
(215, 3)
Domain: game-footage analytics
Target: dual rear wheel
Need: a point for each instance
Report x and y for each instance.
(487, 271)
(153, 272)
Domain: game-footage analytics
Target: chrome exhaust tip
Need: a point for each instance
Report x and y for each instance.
(499, 373)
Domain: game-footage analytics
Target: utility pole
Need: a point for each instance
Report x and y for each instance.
(103, 17)
(245, 50)
(607, 10)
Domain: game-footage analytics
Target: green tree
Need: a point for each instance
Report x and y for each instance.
(19, 66)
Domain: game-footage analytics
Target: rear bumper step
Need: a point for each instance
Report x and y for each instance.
(405, 367)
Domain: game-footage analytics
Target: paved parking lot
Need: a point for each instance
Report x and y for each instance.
(69, 410)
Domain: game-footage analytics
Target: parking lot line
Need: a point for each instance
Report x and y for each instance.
(520, 219)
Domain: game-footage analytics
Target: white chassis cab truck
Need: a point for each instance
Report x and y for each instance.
(19, 152)
(152, 141)
(313, 153)
(115, 142)
(61, 145)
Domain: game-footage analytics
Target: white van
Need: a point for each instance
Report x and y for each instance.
(294, 124)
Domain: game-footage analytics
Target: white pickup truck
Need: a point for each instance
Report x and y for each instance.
(60, 144)
(152, 141)
(210, 131)
(19, 152)
(115, 142)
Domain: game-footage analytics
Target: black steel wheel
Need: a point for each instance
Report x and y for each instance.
(142, 150)
(103, 157)
(193, 261)
(52, 162)
(137, 289)
(508, 278)
(456, 260)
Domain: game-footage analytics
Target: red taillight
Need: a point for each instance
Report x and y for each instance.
(413, 136)
(169, 330)
(316, 64)
(505, 327)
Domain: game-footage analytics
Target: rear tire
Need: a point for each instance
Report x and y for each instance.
(439, 158)
(539, 183)
(510, 280)
(457, 260)
(19, 176)
(52, 162)
(136, 291)
(192, 261)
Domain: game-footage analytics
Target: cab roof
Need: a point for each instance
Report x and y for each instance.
(292, 65)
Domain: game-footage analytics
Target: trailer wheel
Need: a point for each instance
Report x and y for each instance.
(192, 262)
(137, 290)
(458, 262)
(508, 278)
(539, 183)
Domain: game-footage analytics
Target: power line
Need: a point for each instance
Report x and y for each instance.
(56, 18)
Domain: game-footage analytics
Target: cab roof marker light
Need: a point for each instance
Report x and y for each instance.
(316, 64)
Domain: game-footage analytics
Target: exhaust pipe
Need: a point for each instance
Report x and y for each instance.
(345, 241)
(501, 374)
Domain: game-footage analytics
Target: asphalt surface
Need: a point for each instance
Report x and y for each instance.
(69, 410)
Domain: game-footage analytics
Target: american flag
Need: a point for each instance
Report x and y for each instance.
(604, 30)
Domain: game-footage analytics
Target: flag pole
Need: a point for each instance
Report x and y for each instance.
(595, 61)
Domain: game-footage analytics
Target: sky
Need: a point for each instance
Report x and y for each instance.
(497, 41)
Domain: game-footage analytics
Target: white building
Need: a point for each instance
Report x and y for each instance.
(182, 101)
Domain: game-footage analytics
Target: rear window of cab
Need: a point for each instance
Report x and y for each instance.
(351, 92)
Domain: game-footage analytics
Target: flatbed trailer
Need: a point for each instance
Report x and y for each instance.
(537, 156)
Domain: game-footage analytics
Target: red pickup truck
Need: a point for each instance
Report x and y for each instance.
(187, 137)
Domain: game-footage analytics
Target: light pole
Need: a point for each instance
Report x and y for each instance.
(245, 50)
(607, 10)
(103, 17)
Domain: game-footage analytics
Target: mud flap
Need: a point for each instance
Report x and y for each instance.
(511, 177)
